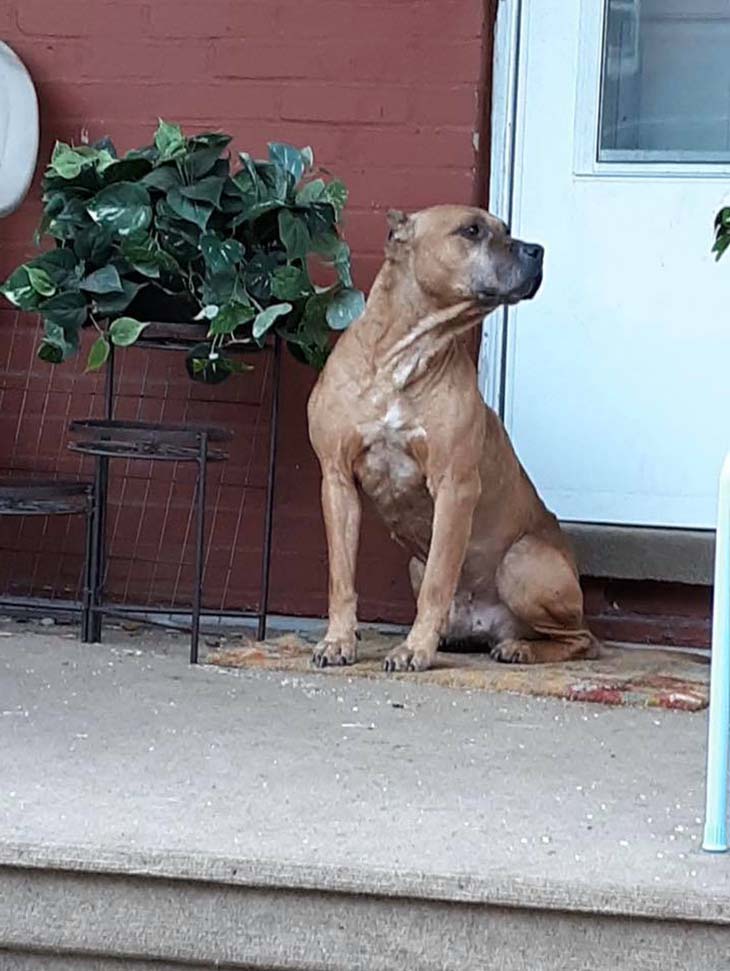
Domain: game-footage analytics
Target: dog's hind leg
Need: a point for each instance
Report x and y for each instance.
(539, 584)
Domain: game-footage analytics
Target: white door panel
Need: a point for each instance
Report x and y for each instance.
(617, 383)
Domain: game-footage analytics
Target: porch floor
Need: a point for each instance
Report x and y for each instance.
(119, 760)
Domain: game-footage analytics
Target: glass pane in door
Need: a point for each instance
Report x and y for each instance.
(665, 93)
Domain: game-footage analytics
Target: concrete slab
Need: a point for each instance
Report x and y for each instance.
(120, 760)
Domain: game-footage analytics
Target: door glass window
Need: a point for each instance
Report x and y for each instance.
(665, 92)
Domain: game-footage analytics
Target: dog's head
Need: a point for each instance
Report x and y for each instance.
(458, 253)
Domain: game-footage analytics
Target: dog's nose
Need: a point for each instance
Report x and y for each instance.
(533, 251)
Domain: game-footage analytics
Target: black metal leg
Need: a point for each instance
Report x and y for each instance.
(98, 549)
(270, 486)
(97, 557)
(199, 547)
(86, 615)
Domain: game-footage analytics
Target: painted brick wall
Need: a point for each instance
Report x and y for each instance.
(391, 94)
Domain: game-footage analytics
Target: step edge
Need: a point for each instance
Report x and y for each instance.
(672, 902)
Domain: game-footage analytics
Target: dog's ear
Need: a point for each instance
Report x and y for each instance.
(400, 233)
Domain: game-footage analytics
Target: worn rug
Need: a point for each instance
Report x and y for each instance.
(624, 676)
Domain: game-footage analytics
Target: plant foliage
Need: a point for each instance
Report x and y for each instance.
(722, 232)
(174, 232)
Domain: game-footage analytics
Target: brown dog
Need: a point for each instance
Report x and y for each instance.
(397, 413)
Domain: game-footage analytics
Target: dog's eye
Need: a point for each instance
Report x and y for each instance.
(473, 231)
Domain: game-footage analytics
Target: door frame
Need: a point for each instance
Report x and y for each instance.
(634, 552)
(504, 112)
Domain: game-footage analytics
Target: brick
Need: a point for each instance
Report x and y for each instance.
(426, 148)
(8, 18)
(85, 59)
(420, 61)
(214, 18)
(404, 189)
(96, 104)
(445, 105)
(366, 231)
(82, 18)
(315, 20)
(360, 104)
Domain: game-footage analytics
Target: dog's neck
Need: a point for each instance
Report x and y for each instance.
(407, 332)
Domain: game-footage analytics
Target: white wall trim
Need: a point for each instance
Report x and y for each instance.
(505, 77)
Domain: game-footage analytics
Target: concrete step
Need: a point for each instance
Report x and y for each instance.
(131, 911)
(153, 816)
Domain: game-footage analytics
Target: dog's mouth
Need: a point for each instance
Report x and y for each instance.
(490, 297)
(534, 286)
(526, 291)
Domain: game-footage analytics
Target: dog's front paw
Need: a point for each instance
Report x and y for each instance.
(513, 652)
(405, 658)
(334, 652)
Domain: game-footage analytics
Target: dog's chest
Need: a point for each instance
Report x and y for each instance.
(389, 473)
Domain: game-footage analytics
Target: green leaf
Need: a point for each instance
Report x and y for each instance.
(336, 194)
(266, 319)
(206, 190)
(50, 353)
(294, 235)
(311, 192)
(248, 183)
(190, 209)
(61, 266)
(346, 306)
(66, 162)
(104, 280)
(41, 281)
(68, 310)
(107, 145)
(169, 140)
(108, 304)
(230, 317)
(126, 170)
(125, 208)
(343, 265)
(219, 287)
(69, 221)
(723, 218)
(259, 273)
(210, 139)
(19, 290)
(290, 283)
(200, 162)
(721, 245)
(163, 178)
(277, 184)
(209, 366)
(93, 243)
(220, 254)
(291, 159)
(329, 246)
(125, 331)
(65, 340)
(98, 354)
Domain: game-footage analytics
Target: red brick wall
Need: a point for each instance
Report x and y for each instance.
(391, 94)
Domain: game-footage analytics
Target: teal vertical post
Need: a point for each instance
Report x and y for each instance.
(718, 738)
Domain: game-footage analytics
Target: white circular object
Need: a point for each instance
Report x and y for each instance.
(18, 130)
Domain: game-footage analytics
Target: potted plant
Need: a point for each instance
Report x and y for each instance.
(176, 233)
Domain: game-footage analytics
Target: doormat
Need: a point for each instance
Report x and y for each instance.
(627, 676)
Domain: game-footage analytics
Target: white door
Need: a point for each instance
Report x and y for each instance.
(615, 380)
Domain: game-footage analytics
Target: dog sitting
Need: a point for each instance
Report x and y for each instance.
(396, 414)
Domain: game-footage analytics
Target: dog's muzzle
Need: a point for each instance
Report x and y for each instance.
(530, 256)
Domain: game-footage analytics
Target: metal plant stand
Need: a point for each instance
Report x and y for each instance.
(34, 497)
(108, 439)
